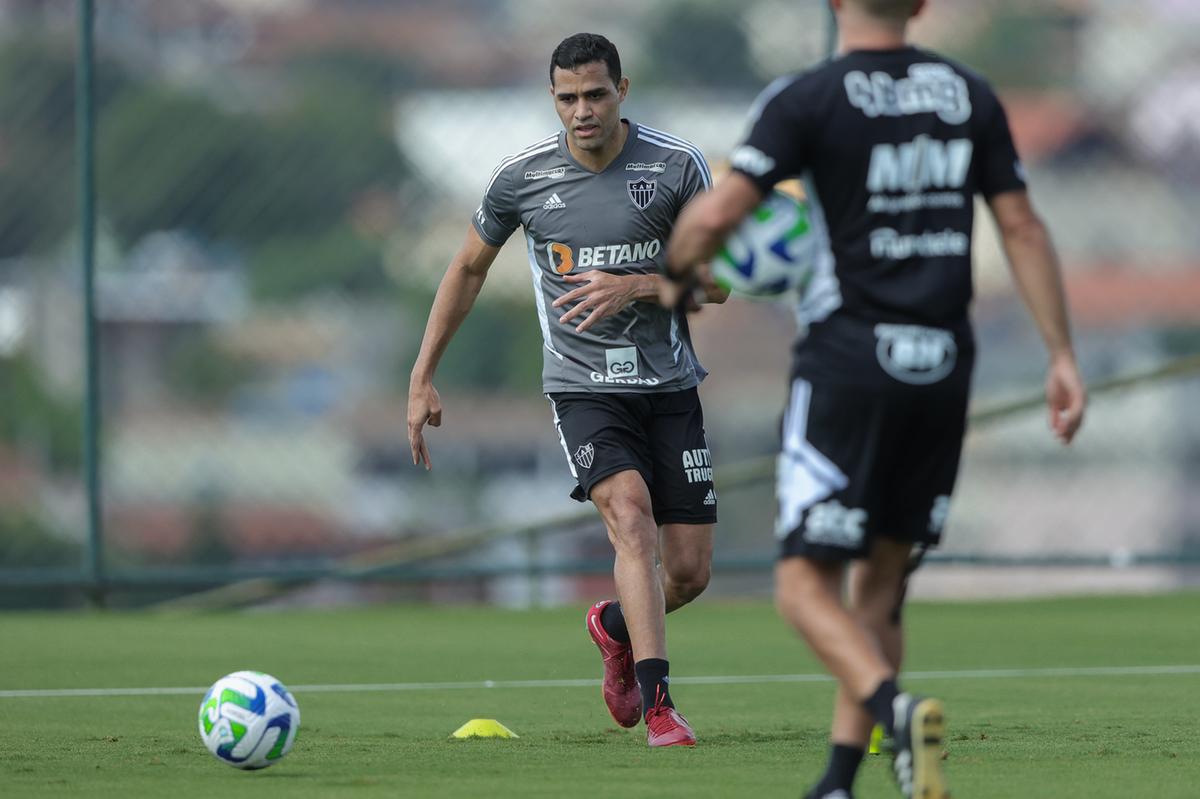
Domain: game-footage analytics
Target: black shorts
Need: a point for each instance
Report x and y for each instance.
(859, 464)
(661, 436)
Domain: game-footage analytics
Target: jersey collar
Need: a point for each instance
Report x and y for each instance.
(622, 156)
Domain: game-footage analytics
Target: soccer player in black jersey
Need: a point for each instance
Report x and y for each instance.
(892, 144)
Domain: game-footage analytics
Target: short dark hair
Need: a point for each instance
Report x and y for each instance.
(586, 48)
(894, 10)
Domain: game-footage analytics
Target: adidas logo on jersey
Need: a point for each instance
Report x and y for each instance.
(555, 202)
(711, 499)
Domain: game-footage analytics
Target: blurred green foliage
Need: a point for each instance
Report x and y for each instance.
(283, 175)
(336, 259)
(1024, 47)
(201, 373)
(37, 134)
(33, 418)
(498, 348)
(24, 541)
(679, 29)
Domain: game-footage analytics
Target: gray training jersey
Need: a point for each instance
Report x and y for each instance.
(617, 220)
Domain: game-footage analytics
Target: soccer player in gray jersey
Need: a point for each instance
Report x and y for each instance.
(893, 143)
(597, 202)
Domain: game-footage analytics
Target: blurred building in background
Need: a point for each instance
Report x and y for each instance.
(281, 183)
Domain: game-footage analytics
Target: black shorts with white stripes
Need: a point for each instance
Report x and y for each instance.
(661, 436)
(859, 464)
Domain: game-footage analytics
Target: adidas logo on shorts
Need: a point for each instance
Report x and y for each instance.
(711, 499)
(553, 203)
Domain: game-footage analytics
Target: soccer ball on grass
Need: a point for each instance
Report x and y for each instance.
(249, 720)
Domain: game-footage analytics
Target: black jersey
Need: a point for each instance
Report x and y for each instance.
(892, 146)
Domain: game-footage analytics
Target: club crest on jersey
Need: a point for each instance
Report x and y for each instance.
(585, 455)
(642, 191)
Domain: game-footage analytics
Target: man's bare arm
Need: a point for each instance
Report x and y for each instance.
(599, 294)
(455, 296)
(707, 221)
(1038, 276)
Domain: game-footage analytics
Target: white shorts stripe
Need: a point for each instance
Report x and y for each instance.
(804, 476)
(561, 438)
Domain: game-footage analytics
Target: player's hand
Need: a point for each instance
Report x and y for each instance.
(1066, 397)
(690, 297)
(599, 295)
(424, 407)
(671, 294)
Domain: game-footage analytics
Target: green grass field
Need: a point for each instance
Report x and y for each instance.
(1012, 736)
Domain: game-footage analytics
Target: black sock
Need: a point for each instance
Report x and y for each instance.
(839, 774)
(613, 622)
(652, 677)
(879, 705)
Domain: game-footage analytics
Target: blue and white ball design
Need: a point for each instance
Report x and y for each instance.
(771, 253)
(249, 720)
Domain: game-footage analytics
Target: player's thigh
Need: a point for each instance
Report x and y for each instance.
(834, 445)
(875, 585)
(601, 436)
(927, 450)
(798, 579)
(686, 552)
(682, 487)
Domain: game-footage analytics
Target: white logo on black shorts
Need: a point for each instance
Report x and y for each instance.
(914, 354)
(585, 455)
(832, 524)
(697, 466)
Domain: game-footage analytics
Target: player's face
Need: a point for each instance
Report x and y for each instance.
(589, 104)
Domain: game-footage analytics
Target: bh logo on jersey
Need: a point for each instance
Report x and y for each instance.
(914, 354)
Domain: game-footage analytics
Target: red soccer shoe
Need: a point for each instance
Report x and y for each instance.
(665, 727)
(621, 692)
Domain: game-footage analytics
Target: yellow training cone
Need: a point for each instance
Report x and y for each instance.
(484, 728)
(876, 739)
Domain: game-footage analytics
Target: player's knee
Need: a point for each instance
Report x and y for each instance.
(690, 582)
(789, 593)
(631, 525)
(801, 583)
